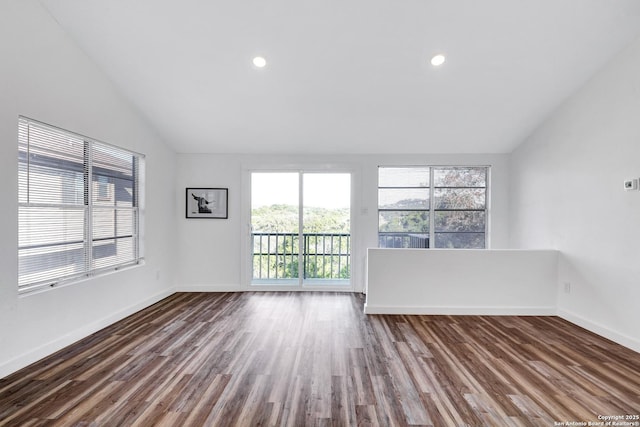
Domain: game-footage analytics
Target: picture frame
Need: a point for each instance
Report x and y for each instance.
(207, 203)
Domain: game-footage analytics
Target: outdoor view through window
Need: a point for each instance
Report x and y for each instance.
(440, 207)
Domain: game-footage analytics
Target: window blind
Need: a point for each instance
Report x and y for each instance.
(79, 210)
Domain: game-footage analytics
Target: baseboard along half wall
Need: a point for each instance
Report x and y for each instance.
(461, 311)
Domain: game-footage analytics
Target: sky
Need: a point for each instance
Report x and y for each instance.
(328, 190)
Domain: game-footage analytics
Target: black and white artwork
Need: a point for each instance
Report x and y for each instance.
(207, 203)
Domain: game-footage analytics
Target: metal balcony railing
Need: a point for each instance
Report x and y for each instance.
(324, 255)
(402, 240)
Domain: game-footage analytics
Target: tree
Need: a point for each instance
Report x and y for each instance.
(276, 252)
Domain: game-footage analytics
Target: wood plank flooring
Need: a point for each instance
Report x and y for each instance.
(314, 359)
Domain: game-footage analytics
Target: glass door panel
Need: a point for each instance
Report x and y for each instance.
(326, 201)
(275, 226)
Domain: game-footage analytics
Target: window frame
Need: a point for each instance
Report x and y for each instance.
(432, 210)
(97, 214)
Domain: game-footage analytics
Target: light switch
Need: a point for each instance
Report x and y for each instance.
(631, 184)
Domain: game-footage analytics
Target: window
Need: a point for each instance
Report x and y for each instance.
(432, 206)
(79, 206)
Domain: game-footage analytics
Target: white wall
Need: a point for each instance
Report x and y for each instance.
(43, 75)
(567, 193)
(210, 251)
(445, 281)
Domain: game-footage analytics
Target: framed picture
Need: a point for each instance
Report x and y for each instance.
(207, 203)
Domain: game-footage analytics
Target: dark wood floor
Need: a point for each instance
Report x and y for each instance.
(304, 359)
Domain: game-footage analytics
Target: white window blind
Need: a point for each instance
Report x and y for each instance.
(79, 206)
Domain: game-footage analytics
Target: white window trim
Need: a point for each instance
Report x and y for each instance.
(247, 168)
(432, 188)
(137, 211)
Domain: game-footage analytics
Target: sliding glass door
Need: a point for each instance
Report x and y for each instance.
(300, 228)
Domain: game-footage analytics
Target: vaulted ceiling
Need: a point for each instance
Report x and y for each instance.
(348, 76)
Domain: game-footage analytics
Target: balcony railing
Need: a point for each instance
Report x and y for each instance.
(324, 255)
(402, 240)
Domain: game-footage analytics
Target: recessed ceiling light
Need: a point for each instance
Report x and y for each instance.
(437, 60)
(259, 62)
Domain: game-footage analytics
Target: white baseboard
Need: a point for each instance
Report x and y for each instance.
(13, 365)
(596, 328)
(270, 288)
(601, 330)
(209, 288)
(461, 311)
(25, 359)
